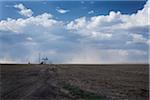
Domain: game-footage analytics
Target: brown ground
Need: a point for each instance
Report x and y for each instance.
(74, 82)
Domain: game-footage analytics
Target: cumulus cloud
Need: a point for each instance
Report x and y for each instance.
(23, 10)
(23, 25)
(62, 11)
(91, 12)
(114, 37)
(113, 25)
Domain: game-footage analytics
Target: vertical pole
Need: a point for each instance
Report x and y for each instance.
(39, 58)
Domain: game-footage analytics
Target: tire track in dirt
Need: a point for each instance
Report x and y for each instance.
(46, 85)
(24, 90)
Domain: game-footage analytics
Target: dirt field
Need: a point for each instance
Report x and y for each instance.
(74, 82)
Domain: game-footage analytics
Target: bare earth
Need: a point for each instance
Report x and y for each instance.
(74, 82)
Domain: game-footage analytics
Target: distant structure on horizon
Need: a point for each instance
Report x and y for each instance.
(44, 60)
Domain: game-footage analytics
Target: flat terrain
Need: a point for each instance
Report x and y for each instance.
(74, 82)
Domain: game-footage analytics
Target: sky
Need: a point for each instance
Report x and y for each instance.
(88, 32)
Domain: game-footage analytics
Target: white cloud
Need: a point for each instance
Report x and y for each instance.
(113, 25)
(29, 38)
(23, 10)
(62, 11)
(101, 36)
(100, 27)
(77, 24)
(91, 28)
(91, 12)
(138, 19)
(138, 38)
(25, 25)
